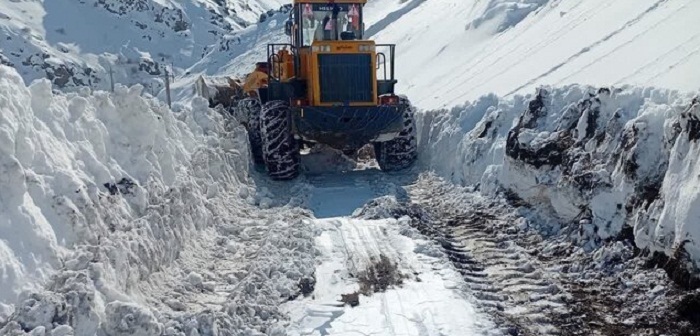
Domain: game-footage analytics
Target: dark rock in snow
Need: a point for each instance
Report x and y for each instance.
(125, 186)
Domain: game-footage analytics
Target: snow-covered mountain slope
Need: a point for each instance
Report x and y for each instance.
(235, 57)
(606, 164)
(451, 51)
(119, 216)
(77, 42)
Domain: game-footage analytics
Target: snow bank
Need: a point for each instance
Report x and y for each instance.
(601, 160)
(74, 169)
(672, 219)
(467, 141)
(119, 216)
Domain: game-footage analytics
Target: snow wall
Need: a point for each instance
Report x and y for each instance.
(109, 203)
(603, 161)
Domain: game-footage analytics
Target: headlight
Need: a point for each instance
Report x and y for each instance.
(366, 47)
(321, 48)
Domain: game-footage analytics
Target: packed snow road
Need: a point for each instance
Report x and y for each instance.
(426, 301)
(378, 277)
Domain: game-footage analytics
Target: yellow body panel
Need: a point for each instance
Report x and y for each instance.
(308, 59)
(337, 47)
(309, 68)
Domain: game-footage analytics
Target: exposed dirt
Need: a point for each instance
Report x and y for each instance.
(379, 276)
(676, 268)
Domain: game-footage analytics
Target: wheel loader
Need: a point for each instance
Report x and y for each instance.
(328, 85)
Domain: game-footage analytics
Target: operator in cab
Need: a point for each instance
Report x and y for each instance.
(256, 80)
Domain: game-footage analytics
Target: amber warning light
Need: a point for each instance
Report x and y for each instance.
(299, 102)
(389, 100)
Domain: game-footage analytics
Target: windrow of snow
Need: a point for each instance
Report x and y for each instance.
(603, 161)
(119, 216)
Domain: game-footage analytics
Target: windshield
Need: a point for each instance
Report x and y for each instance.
(321, 22)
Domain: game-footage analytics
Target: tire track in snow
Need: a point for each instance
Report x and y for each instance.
(403, 309)
(536, 278)
(506, 278)
(511, 270)
(427, 302)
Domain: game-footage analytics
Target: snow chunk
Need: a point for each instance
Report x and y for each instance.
(195, 279)
(38, 311)
(62, 330)
(128, 319)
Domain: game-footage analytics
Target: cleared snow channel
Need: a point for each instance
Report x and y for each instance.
(428, 300)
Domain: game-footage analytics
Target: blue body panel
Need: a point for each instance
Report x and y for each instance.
(346, 127)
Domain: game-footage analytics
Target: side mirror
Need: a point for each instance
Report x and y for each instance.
(288, 27)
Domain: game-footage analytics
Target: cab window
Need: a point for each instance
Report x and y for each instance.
(321, 22)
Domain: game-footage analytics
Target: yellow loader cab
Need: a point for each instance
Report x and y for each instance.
(329, 85)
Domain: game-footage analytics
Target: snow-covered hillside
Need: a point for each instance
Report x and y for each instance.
(451, 51)
(76, 42)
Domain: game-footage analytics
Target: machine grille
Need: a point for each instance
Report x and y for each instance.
(345, 78)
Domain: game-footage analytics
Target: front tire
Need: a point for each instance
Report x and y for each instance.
(248, 113)
(280, 149)
(402, 151)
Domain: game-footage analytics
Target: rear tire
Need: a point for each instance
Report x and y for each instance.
(280, 149)
(248, 113)
(400, 152)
